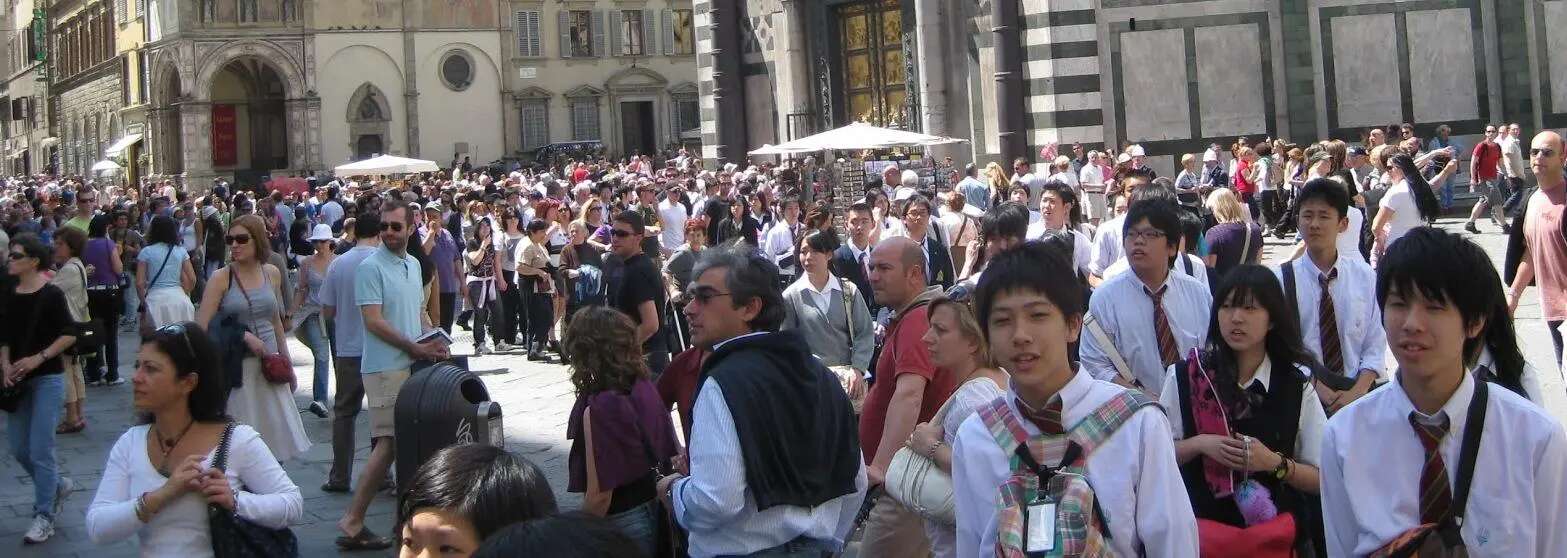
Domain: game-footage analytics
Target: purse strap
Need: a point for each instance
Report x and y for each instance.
(848, 313)
(1246, 244)
(161, 266)
(1474, 428)
(221, 460)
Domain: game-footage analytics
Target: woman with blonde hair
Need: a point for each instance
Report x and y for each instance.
(996, 179)
(957, 345)
(1235, 240)
(242, 309)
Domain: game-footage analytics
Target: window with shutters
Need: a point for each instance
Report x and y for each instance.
(688, 115)
(580, 28)
(141, 8)
(119, 11)
(584, 119)
(535, 124)
(529, 42)
(632, 36)
(682, 35)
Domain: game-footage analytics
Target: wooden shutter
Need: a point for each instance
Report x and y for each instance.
(668, 20)
(617, 39)
(535, 37)
(599, 47)
(520, 27)
(649, 33)
(563, 19)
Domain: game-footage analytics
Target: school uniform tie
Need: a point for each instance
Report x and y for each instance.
(1168, 352)
(1327, 325)
(1436, 496)
(1048, 419)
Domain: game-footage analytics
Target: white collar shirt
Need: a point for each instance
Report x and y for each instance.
(1124, 309)
(1308, 439)
(1107, 245)
(822, 297)
(1362, 340)
(1135, 477)
(1192, 266)
(1372, 461)
(1082, 247)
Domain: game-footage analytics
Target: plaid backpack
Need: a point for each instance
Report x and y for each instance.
(1081, 528)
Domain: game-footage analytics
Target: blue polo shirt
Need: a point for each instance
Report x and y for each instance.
(394, 282)
(338, 292)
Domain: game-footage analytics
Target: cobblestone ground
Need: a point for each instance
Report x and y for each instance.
(535, 397)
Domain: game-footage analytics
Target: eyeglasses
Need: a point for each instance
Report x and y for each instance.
(698, 293)
(1542, 152)
(1144, 234)
(86, 200)
(18, 255)
(240, 239)
(178, 329)
(393, 226)
(621, 233)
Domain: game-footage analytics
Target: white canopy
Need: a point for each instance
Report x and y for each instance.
(105, 166)
(858, 135)
(385, 165)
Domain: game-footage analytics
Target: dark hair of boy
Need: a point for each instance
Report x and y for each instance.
(1327, 191)
(1162, 215)
(1424, 261)
(1031, 267)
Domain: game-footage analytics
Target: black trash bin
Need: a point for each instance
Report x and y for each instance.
(439, 406)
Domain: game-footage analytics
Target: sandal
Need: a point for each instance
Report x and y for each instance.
(365, 540)
(67, 428)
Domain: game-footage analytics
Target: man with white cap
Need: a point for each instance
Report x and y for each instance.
(1213, 175)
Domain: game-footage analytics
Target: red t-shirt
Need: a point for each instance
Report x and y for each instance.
(1242, 185)
(903, 353)
(1486, 155)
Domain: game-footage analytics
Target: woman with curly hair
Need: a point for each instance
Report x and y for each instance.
(619, 427)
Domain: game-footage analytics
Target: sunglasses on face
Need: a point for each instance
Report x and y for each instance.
(702, 294)
(1542, 152)
(394, 227)
(15, 256)
(236, 239)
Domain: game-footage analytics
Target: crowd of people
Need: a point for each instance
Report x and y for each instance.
(1076, 357)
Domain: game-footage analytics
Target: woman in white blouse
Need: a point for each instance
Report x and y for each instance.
(159, 480)
(1408, 204)
(958, 346)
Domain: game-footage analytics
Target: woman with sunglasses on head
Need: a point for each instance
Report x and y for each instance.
(308, 324)
(1246, 421)
(243, 303)
(160, 479)
(33, 340)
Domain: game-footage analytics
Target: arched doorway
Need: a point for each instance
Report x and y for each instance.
(170, 151)
(369, 122)
(249, 119)
(367, 146)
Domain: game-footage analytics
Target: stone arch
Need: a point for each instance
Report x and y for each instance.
(635, 77)
(369, 117)
(281, 61)
(480, 57)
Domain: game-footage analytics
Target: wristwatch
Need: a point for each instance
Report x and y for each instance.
(1283, 470)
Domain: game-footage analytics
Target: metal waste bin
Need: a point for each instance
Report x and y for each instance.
(439, 406)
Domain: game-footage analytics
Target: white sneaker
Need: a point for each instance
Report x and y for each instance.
(40, 531)
(502, 347)
(62, 490)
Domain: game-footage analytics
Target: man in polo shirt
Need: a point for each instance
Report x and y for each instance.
(347, 327)
(389, 290)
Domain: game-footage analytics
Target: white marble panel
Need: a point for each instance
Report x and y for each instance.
(1441, 65)
(1064, 101)
(1365, 70)
(1555, 42)
(1056, 67)
(1153, 79)
(1060, 34)
(1070, 134)
(1230, 81)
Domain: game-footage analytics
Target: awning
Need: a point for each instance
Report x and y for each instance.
(18, 153)
(119, 146)
(48, 142)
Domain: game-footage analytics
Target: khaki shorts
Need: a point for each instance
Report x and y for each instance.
(75, 388)
(381, 388)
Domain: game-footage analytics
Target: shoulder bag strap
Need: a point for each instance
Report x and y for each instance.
(251, 309)
(1122, 369)
(165, 263)
(1473, 429)
(1246, 244)
(1289, 287)
(848, 312)
(1107, 419)
(221, 460)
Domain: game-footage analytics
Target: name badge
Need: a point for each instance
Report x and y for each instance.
(1041, 527)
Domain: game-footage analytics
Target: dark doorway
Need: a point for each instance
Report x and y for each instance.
(368, 146)
(636, 128)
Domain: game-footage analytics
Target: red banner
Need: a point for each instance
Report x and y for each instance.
(225, 138)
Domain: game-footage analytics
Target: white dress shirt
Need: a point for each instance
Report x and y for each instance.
(1372, 459)
(1362, 341)
(1529, 380)
(1125, 311)
(1134, 474)
(1198, 268)
(1082, 247)
(1107, 245)
(717, 508)
(778, 243)
(1308, 439)
(263, 494)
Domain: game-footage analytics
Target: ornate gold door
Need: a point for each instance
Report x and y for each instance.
(872, 53)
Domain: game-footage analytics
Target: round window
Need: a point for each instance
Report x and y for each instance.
(457, 70)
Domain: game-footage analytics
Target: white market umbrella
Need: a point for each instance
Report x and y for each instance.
(105, 166)
(770, 149)
(385, 165)
(860, 135)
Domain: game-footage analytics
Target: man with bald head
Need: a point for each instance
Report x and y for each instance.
(1537, 246)
(907, 390)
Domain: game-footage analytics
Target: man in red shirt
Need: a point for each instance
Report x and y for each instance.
(1483, 180)
(908, 390)
(1537, 253)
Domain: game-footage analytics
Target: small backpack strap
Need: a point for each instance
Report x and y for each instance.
(1288, 271)
(1474, 426)
(1099, 425)
(1122, 368)
(1003, 424)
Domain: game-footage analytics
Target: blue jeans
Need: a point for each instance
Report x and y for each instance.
(31, 432)
(309, 332)
(640, 524)
(1447, 194)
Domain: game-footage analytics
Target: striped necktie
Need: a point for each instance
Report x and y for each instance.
(1327, 323)
(1436, 496)
(1168, 352)
(1048, 419)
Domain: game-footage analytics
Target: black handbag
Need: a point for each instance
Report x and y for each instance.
(236, 537)
(669, 540)
(88, 339)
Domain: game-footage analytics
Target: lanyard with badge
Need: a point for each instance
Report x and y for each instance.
(1039, 516)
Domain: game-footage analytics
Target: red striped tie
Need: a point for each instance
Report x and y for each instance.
(1327, 322)
(1168, 352)
(1048, 419)
(1436, 497)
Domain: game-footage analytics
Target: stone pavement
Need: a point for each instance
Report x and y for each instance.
(535, 399)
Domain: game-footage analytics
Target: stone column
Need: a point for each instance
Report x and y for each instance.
(794, 68)
(298, 134)
(728, 84)
(196, 135)
(935, 62)
(1009, 80)
(154, 140)
(313, 162)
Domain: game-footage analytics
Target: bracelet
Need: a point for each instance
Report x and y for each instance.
(141, 508)
(931, 453)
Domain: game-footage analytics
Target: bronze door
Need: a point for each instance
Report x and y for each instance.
(871, 50)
